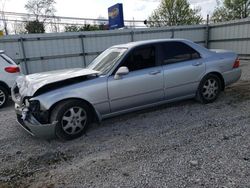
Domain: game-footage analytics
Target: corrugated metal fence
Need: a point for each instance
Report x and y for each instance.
(43, 52)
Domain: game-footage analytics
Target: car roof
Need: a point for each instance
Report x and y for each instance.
(144, 42)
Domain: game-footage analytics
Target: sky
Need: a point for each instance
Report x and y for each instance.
(137, 9)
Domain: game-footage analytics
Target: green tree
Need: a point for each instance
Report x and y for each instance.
(174, 12)
(231, 10)
(35, 27)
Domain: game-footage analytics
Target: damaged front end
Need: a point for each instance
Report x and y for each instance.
(31, 118)
(31, 113)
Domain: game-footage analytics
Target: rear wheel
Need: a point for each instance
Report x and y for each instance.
(209, 89)
(3, 96)
(73, 118)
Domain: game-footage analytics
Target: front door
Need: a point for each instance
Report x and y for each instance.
(142, 85)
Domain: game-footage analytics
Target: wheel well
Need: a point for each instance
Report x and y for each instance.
(5, 86)
(219, 75)
(96, 118)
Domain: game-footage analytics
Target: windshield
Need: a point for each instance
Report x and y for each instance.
(106, 60)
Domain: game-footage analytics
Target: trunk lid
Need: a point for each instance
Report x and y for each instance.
(219, 51)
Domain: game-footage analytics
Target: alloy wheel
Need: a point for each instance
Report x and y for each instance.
(210, 89)
(74, 120)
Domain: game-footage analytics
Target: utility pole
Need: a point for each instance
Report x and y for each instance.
(207, 32)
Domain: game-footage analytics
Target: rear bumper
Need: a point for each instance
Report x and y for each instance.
(33, 127)
(232, 76)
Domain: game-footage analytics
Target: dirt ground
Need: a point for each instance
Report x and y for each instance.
(185, 144)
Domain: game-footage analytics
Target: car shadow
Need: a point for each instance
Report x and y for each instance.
(233, 95)
(8, 105)
(135, 114)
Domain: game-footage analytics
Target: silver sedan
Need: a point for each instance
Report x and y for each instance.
(122, 79)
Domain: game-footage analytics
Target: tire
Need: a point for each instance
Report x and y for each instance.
(209, 89)
(73, 118)
(3, 96)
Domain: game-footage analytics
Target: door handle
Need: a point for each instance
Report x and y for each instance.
(197, 63)
(155, 72)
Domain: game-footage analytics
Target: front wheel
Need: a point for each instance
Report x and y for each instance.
(73, 118)
(209, 89)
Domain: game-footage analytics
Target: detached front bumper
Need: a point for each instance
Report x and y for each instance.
(29, 123)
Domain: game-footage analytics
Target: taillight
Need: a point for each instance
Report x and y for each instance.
(12, 69)
(236, 63)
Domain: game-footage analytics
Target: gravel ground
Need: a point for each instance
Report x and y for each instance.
(185, 144)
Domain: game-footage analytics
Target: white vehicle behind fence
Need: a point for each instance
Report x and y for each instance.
(8, 74)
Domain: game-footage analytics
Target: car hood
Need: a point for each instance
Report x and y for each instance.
(29, 84)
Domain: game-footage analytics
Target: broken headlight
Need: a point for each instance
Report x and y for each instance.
(34, 106)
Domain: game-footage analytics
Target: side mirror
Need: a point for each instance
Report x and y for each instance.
(120, 72)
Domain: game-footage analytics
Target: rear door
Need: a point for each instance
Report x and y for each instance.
(142, 85)
(183, 68)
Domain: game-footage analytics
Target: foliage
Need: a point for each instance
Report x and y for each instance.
(71, 28)
(85, 27)
(35, 27)
(174, 12)
(231, 10)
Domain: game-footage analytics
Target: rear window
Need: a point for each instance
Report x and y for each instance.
(8, 59)
(174, 52)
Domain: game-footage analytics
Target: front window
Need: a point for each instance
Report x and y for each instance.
(140, 58)
(106, 60)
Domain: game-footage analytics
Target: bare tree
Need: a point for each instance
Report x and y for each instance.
(3, 3)
(19, 28)
(54, 24)
(41, 9)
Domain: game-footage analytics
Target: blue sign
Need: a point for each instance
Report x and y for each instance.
(116, 16)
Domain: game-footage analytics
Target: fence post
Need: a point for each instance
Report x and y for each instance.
(24, 56)
(207, 33)
(83, 50)
(132, 36)
(172, 33)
